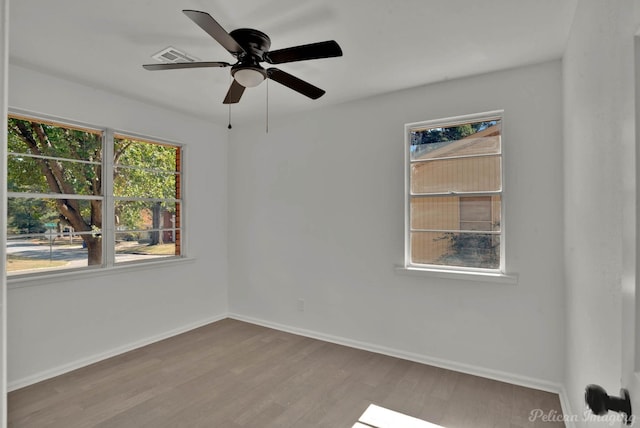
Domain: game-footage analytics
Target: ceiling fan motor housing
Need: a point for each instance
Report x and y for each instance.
(254, 42)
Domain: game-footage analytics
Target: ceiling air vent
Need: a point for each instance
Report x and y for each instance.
(172, 54)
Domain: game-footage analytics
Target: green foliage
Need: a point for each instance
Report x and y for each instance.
(26, 173)
(143, 170)
(478, 250)
(28, 215)
(441, 136)
(42, 160)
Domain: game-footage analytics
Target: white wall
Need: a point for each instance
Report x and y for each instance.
(316, 212)
(57, 324)
(599, 174)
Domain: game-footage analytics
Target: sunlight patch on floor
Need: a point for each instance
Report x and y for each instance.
(379, 417)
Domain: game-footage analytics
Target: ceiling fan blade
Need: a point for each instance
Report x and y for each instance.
(215, 30)
(294, 83)
(177, 65)
(326, 49)
(234, 94)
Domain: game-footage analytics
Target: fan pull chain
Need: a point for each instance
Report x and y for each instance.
(229, 127)
(267, 122)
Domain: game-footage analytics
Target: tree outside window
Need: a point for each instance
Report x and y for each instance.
(57, 208)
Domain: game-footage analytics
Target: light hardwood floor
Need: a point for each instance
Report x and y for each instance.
(232, 374)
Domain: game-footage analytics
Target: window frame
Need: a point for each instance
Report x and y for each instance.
(449, 271)
(112, 199)
(108, 203)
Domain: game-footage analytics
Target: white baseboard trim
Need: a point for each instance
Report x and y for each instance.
(501, 376)
(432, 361)
(56, 371)
(569, 421)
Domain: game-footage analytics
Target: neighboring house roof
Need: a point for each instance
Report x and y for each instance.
(485, 141)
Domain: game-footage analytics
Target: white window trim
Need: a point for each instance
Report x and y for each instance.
(499, 275)
(108, 227)
(475, 275)
(52, 277)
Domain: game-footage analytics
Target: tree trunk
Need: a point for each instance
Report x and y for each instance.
(156, 223)
(54, 172)
(94, 249)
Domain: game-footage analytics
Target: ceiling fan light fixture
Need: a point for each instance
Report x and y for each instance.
(249, 77)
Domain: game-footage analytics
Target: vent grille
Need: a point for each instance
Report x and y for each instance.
(173, 55)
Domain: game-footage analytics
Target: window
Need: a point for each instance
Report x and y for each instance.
(146, 191)
(80, 197)
(454, 193)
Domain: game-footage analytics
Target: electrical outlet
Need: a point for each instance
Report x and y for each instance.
(301, 305)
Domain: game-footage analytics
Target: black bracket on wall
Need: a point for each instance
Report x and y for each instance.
(600, 402)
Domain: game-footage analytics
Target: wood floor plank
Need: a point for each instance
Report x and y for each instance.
(234, 374)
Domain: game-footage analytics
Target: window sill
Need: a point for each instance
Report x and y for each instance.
(496, 278)
(72, 275)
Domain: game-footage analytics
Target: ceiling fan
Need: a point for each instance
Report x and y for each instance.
(251, 47)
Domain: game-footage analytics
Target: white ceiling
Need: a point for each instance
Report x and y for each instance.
(388, 45)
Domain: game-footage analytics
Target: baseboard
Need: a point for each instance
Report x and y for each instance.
(569, 421)
(437, 362)
(501, 376)
(56, 371)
